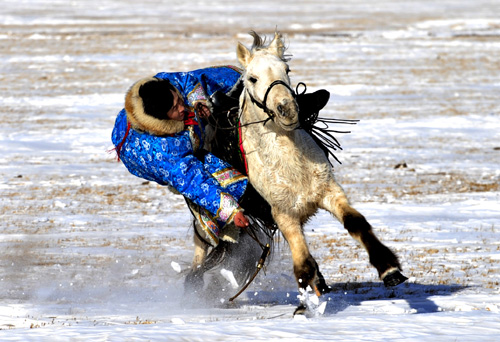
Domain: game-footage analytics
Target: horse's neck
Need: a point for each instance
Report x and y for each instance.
(262, 139)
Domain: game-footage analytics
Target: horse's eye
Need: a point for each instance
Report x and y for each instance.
(252, 79)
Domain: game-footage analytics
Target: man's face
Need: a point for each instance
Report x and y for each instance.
(178, 109)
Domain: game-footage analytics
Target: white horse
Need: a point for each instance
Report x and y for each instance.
(290, 171)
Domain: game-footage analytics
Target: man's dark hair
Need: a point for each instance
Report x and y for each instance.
(157, 98)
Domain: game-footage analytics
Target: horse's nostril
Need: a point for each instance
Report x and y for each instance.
(281, 110)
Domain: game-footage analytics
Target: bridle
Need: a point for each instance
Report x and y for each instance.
(263, 105)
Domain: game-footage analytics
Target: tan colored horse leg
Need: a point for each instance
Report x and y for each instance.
(194, 280)
(381, 257)
(304, 266)
(200, 252)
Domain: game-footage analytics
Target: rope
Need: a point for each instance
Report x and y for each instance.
(266, 250)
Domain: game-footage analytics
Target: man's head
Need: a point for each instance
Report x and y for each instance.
(154, 105)
(160, 100)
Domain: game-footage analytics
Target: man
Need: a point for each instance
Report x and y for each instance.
(159, 137)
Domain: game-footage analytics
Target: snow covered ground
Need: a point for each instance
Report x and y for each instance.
(91, 253)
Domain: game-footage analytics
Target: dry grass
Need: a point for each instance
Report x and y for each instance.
(54, 213)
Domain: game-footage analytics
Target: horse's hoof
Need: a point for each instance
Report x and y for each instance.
(301, 309)
(394, 278)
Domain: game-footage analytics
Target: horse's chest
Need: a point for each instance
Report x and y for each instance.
(284, 172)
(284, 177)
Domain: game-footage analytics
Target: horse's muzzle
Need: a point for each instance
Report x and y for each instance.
(288, 114)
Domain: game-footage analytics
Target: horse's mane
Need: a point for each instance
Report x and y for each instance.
(260, 43)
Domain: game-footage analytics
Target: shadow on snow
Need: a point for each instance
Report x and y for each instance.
(345, 295)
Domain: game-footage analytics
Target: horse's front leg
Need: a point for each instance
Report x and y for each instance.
(305, 268)
(381, 257)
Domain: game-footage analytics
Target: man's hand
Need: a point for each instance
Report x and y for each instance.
(202, 110)
(240, 220)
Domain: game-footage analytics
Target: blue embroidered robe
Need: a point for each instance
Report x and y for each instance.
(168, 160)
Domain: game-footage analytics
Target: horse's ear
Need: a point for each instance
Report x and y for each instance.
(243, 55)
(277, 45)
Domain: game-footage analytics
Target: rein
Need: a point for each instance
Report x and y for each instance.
(266, 250)
(262, 105)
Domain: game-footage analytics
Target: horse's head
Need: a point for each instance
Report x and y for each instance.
(266, 80)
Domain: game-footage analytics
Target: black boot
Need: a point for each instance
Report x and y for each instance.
(222, 103)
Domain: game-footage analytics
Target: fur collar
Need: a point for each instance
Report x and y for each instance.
(144, 122)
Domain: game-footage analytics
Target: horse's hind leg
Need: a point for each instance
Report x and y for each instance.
(381, 257)
(304, 266)
(194, 280)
